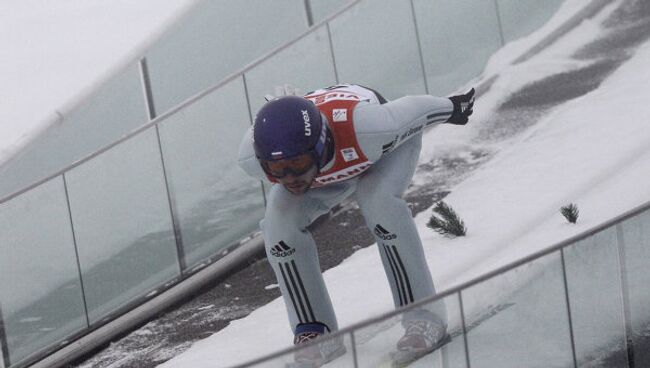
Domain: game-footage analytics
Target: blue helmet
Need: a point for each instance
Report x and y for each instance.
(287, 127)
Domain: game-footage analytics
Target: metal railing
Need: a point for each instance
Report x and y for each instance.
(629, 343)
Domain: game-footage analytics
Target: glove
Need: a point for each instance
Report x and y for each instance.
(463, 105)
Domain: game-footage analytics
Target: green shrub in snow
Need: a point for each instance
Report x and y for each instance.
(445, 221)
(570, 212)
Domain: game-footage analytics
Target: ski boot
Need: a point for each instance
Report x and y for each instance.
(421, 338)
(315, 355)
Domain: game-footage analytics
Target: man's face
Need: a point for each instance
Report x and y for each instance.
(296, 173)
(298, 184)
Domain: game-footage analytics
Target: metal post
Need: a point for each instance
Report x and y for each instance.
(180, 251)
(444, 357)
(310, 15)
(462, 319)
(4, 349)
(568, 308)
(248, 99)
(146, 87)
(353, 343)
(329, 37)
(251, 120)
(263, 193)
(76, 248)
(625, 295)
(500, 24)
(417, 39)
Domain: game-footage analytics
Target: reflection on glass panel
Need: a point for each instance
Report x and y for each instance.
(519, 316)
(344, 360)
(122, 224)
(40, 291)
(442, 26)
(306, 65)
(636, 240)
(377, 344)
(521, 17)
(375, 45)
(216, 39)
(216, 203)
(321, 9)
(115, 109)
(594, 286)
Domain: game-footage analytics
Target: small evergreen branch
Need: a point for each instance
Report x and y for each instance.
(446, 222)
(570, 212)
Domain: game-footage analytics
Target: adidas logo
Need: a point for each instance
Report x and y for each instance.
(282, 250)
(383, 233)
(389, 146)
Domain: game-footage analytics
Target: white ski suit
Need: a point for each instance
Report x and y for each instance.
(377, 149)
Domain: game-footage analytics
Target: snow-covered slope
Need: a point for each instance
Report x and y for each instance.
(591, 150)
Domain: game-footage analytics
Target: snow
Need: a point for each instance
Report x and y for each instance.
(57, 51)
(587, 151)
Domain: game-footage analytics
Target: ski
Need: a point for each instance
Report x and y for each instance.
(317, 362)
(304, 365)
(403, 358)
(399, 359)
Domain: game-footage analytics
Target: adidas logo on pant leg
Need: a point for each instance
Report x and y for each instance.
(383, 233)
(282, 250)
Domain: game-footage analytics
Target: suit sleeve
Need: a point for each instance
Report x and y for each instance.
(382, 128)
(247, 160)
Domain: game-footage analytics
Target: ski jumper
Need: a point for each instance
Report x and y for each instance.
(377, 149)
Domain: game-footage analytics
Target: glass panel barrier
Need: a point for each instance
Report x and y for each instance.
(635, 236)
(40, 291)
(375, 45)
(376, 344)
(593, 279)
(321, 9)
(521, 17)
(216, 39)
(442, 27)
(306, 65)
(216, 203)
(116, 109)
(520, 316)
(122, 223)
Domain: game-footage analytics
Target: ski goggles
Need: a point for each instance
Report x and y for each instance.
(296, 165)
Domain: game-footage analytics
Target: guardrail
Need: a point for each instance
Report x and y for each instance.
(582, 302)
(150, 209)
